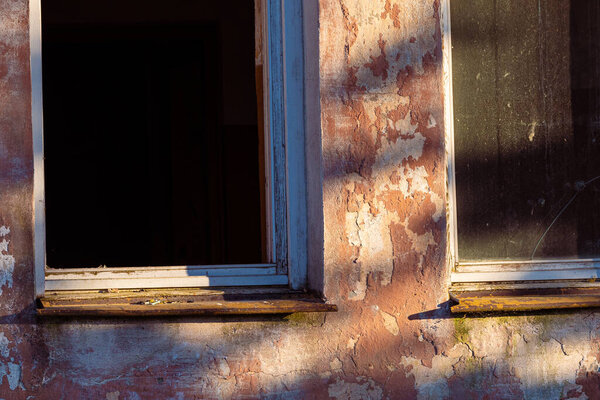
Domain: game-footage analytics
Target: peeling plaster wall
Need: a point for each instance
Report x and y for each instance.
(384, 219)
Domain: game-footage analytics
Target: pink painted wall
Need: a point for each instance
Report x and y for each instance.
(381, 100)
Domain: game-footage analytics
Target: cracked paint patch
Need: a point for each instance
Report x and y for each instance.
(364, 388)
(432, 382)
(113, 395)
(352, 343)
(368, 219)
(407, 39)
(14, 375)
(369, 235)
(4, 350)
(10, 370)
(545, 359)
(381, 151)
(390, 323)
(7, 261)
(335, 364)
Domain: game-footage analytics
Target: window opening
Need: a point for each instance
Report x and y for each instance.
(153, 151)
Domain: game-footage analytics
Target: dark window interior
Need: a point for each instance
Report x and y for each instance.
(526, 78)
(150, 133)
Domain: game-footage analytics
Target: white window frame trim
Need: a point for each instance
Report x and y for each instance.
(286, 178)
(555, 271)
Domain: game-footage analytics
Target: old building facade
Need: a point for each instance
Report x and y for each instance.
(378, 114)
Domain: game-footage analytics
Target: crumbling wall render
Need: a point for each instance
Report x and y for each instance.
(385, 240)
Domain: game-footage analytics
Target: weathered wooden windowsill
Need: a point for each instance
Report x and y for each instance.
(180, 302)
(503, 299)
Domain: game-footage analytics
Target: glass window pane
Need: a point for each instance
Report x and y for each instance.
(526, 114)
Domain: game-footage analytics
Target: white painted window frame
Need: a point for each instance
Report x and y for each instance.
(554, 272)
(286, 176)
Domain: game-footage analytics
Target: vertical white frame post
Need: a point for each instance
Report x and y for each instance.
(287, 132)
(295, 143)
(449, 132)
(313, 150)
(276, 126)
(37, 127)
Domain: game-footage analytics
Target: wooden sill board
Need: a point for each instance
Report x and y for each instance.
(182, 302)
(524, 299)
